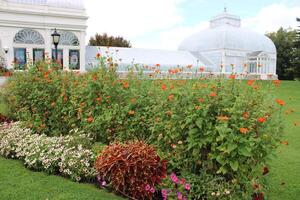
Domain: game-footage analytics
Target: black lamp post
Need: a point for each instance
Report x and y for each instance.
(55, 40)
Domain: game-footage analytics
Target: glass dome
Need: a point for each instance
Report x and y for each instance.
(75, 4)
(225, 32)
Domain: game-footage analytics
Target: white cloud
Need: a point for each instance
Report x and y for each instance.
(131, 18)
(272, 17)
(158, 24)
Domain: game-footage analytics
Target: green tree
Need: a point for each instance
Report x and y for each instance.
(287, 53)
(110, 41)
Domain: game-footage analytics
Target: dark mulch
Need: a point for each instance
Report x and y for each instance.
(4, 119)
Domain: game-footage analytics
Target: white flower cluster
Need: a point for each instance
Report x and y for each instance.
(50, 154)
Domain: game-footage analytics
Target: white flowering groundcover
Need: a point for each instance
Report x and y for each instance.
(62, 155)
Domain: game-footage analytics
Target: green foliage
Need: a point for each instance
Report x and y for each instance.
(225, 128)
(108, 41)
(133, 169)
(288, 53)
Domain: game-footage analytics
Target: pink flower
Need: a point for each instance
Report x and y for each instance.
(174, 178)
(164, 193)
(187, 186)
(147, 188)
(179, 195)
(103, 183)
(152, 190)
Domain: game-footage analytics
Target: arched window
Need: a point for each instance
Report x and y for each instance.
(68, 39)
(28, 36)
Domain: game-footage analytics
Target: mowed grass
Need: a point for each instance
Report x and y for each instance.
(19, 183)
(16, 182)
(284, 174)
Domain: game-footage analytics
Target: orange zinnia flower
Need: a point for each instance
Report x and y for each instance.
(99, 99)
(244, 130)
(213, 94)
(246, 115)
(94, 77)
(131, 112)
(232, 76)
(157, 65)
(280, 102)
(125, 85)
(285, 142)
(189, 66)
(171, 97)
(90, 119)
(201, 100)
(164, 87)
(98, 55)
(223, 118)
(197, 107)
(250, 82)
(46, 75)
(276, 83)
(262, 119)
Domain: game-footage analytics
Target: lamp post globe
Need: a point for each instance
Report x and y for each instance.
(55, 41)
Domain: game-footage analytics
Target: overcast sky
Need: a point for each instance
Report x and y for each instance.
(163, 24)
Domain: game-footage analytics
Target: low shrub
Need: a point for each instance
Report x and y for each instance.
(133, 169)
(54, 155)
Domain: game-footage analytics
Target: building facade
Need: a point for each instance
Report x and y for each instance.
(26, 27)
(225, 47)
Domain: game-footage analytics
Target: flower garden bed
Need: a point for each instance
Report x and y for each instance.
(215, 136)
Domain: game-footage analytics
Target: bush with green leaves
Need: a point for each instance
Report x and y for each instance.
(227, 128)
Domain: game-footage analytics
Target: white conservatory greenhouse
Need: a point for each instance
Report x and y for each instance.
(225, 47)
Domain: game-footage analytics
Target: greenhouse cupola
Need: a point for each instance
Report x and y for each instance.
(226, 46)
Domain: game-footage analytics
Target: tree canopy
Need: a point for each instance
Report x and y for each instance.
(110, 41)
(288, 53)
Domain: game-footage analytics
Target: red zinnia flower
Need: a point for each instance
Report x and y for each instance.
(213, 94)
(280, 102)
(90, 119)
(164, 87)
(262, 119)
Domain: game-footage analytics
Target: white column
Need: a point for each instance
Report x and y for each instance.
(48, 42)
(82, 51)
(66, 58)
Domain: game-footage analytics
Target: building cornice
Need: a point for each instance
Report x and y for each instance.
(45, 13)
(41, 25)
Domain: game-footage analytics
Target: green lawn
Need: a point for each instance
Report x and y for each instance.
(19, 183)
(16, 182)
(284, 174)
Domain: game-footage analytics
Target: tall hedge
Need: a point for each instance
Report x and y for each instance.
(224, 128)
